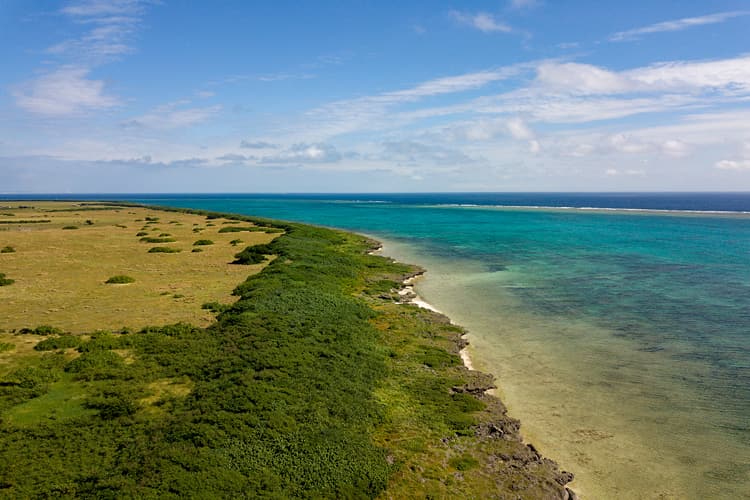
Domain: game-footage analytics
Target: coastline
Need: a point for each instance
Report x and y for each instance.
(410, 295)
(407, 295)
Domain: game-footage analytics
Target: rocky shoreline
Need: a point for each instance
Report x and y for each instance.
(501, 425)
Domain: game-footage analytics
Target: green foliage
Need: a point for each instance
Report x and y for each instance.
(196, 250)
(203, 242)
(464, 462)
(6, 346)
(96, 365)
(70, 227)
(164, 250)
(112, 405)
(7, 249)
(164, 235)
(142, 233)
(285, 390)
(147, 239)
(152, 219)
(215, 307)
(35, 221)
(240, 229)
(236, 242)
(61, 342)
(5, 281)
(89, 222)
(120, 279)
(253, 254)
(42, 330)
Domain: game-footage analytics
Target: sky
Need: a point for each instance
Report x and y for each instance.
(163, 96)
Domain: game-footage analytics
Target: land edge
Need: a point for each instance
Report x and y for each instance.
(407, 295)
(500, 426)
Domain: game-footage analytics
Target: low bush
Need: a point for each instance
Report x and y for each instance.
(5, 281)
(202, 243)
(148, 239)
(215, 307)
(239, 229)
(7, 249)
(61, 342)
(42, 330)
(234, 243)
(120, 279)
(197, 250)
(253, 255)
(141, 233)
(164, 250)
(5, 346)
(70, 227)
(164, 235)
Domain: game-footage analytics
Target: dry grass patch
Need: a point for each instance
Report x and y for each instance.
(59, 274)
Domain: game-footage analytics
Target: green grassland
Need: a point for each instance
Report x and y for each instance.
(314, 383)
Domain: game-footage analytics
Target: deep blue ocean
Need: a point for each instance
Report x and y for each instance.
(621, 338)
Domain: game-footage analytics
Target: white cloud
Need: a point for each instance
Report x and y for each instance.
(65, 91)
(258, 145)
(87, 9)
(675, 25)
(519, 130)
(727, 75)
(675, 148)
(171, 116)
(305, 153)
(482, 21)
(113, 21)
(733, 165)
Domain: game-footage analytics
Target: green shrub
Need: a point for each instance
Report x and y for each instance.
(113, 405)
(464, 462)
(164, 235)
(141, 233)
(239, 229)
(147, 239)
(7, 249)
(5, 281)
(197, 250)
(215, 307)
(96, 365)
(89, 222)
(5, 346)
(152, 219)
(252, 255)
(203, 243)
(120, 279)
(61, 342)
(234, 243)
(42, 330)
(70, 227)
(164, 250)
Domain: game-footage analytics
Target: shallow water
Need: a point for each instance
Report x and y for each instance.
(621, 340)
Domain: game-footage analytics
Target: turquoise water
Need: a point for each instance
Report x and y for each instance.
(620, 339)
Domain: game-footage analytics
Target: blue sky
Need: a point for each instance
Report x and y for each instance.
(331, 96)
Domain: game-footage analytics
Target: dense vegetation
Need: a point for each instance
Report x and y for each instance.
(313, 384)
(5, 281)
(120, 279)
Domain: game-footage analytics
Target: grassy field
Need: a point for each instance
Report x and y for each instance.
(60, 274)
(314, 383)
